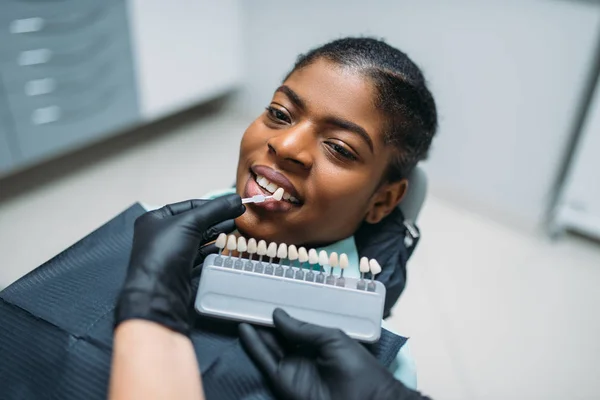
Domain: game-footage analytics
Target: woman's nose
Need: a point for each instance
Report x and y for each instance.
(293, 147)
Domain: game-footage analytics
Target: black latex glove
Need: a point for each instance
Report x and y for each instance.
(165, 245)
(302, 361)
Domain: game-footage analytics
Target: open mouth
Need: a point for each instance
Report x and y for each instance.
(271, 187)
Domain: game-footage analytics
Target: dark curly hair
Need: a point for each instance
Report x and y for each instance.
(402, 95)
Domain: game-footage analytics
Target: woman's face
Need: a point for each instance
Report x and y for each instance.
(321, 140)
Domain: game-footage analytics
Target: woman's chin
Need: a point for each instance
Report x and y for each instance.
(250, 226)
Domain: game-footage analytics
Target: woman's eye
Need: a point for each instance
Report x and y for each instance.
(278, 115)
(342, 151)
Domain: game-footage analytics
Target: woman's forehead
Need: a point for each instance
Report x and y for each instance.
(330, 90)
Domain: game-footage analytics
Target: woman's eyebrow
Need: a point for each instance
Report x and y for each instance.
(293, 96)
(351, 127)
(336, 121)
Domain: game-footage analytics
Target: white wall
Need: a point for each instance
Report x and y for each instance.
(186, 52)
(506, 75)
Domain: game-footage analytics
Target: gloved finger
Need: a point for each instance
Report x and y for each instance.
(213, 212)
(258, 351)
(303, 333)
(183, 206)
(203, 252)
(273, 341)
(222, 227)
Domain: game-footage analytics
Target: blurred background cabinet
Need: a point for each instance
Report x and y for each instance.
(579, 203)
(76, 71)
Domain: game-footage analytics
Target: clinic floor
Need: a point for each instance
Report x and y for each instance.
(493, 313)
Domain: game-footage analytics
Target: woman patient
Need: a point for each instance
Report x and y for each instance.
(340, 136)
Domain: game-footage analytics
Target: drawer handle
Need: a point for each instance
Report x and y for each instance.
(38, 87)
(33, 57)
(46, 115)
(27, 25)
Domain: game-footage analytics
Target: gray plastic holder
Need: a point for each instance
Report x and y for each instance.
(234, 290)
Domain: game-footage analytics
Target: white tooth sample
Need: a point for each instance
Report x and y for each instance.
(333, 259)
(261, 250)
(242, 246)
(364, 265)
(344, 261)
(313, 257)
(272, 250)
(292, 252)
(282, 251)
(271, 187)
(231, 242)
(278, 195)
(302, 255)
(286, 196)
(251, 246)
(294, 200)
(375, 267)
(323, 258)
(221, 241)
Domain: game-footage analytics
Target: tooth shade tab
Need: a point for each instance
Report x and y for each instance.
(252, 246)
(272, 250)
(242, 246)
(221, 241)
(313, 257)
(323, 259)
(302, 255)
(231, 242)
(292, 253)
(374, 266)
(278, 195)
(271, 187)
(344, 261)
(261, 249)
(364, 265)
(282, 251)
(333, 259)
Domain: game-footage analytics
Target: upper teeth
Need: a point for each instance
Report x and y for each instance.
(272, 187)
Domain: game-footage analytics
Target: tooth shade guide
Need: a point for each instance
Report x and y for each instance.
(221, 241)
(374, 267)
(302, 255)
(278, 195)
(251, 247)
(313, 257)
(282, 251)
(359, 309)
(272, 250)
(343, 263)
(231, 243)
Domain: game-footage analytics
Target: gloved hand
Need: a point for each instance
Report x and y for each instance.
(309, 362)
(165, 244)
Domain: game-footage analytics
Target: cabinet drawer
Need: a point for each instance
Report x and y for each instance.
(6, 158)
(50, 53)
(68, 73)
(31, 88)
(7, 153)
(24, 22)
(54, 129)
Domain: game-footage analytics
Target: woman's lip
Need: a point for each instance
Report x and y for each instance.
(252, 188)
(277, 178)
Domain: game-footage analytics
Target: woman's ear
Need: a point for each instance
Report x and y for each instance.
(385, 199)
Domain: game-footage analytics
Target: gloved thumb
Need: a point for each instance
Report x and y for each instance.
(206, 214)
